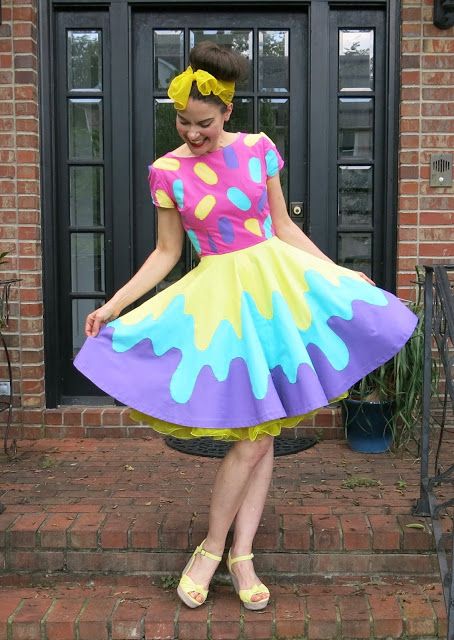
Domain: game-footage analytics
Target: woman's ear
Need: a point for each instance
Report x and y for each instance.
(228, 112)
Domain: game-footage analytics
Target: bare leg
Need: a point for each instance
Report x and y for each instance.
(247, 521)
(230, 489)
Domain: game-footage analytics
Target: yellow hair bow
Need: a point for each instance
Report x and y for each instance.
(180, 87)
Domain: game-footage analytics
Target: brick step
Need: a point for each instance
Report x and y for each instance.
(294, 544)
(108, 609)
(81, 421)
(91, 506)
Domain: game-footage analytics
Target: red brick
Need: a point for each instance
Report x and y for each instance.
(258, 626)
(8, 605)
(193, 623)
(26, 621)
(6, 519)
(290, 616)
(175, 531)
(225, 615)
(411, 14)
(95, 619)
(159, 621)
(32, 561)
(327, 536)
(296, 532)
(356, 533)
(438, 45)
(91, 417)
(23, 532)
(437, 93)
(144, 531)
(322, 617)
(53, 416)
(72, 417)
(438, 78)
(386, 615)
(114, 533)
(53, 532)
(415, 538)
(411, 29)
(267, 536)
(24, 13)
(445, 250)
(386, 532)
(128, 621)
(84, 531)
(418, 614)
(61, 621)
(445, 125)
(354, 616)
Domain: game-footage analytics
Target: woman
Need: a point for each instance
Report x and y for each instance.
(263, 331)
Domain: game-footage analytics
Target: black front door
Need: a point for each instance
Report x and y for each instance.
(321, 85)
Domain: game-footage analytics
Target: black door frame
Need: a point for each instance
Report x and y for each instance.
(120, 20)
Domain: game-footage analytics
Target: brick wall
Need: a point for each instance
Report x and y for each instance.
(20, 201)
(426, 215)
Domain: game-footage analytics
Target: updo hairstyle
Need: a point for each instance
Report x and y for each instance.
(223, 63)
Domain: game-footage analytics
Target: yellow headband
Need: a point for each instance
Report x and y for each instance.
(180, 87)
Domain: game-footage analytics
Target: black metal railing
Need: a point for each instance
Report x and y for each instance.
(6, 397)
(437, 469)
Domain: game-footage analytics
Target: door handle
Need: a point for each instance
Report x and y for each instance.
(297, 209)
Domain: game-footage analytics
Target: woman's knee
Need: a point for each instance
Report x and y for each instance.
(252, 452)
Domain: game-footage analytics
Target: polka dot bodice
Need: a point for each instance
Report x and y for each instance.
(222, 195)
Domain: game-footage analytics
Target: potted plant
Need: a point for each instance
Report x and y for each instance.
(384, 408)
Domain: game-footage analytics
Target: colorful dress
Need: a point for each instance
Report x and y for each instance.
(259, 333)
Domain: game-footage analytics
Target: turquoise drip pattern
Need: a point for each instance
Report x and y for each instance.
(260, 344)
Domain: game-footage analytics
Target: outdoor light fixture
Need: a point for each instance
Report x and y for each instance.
(443, 13)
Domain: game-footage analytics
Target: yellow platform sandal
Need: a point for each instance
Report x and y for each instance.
(187, 584)
(247, 594)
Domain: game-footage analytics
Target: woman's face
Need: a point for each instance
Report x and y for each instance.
(201, 125)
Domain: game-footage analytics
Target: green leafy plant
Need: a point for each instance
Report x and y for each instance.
(399, 381)
(360, 481)
(169, 582)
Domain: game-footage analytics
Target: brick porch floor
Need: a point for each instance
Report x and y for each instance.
(95, 530)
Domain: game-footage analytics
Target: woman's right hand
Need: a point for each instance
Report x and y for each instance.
(100, 316)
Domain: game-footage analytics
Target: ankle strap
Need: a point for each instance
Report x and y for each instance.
(204, 552)
(241, 558)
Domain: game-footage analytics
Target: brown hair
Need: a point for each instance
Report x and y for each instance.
(221, 62)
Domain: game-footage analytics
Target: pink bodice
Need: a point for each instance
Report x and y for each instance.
(222, 195)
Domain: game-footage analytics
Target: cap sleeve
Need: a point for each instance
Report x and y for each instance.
(273, 159)
(161, 193)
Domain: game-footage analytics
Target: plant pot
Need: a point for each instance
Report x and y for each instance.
(367, 425)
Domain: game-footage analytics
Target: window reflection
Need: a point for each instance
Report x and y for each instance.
(87, 262)
(355, 251)
(166, 136)
(356, 59)
(84, 56)
(355, 127)
(355, 195)
(242, 118)
(273, 61)
(86, 196)
(85, 128)
(168, 56)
